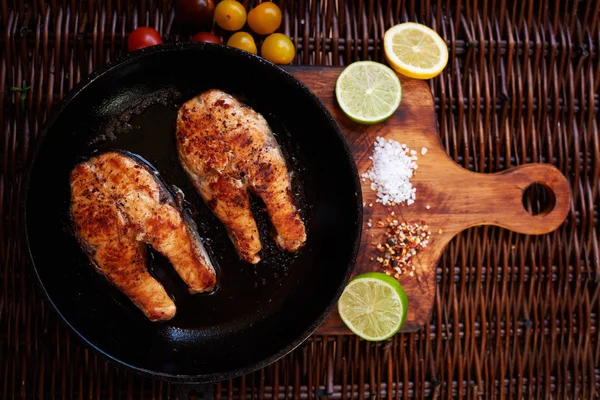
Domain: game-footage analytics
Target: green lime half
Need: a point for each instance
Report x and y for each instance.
(373, 306)
(368, 92)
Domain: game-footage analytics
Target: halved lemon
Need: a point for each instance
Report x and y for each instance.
(373, 305)
(414, 50)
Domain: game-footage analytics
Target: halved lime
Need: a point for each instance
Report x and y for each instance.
(373, 306)
(368, 92)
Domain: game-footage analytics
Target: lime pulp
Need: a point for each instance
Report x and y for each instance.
(368, 92)
(373, 306)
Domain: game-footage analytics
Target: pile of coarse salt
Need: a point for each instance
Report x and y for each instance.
(393, 166)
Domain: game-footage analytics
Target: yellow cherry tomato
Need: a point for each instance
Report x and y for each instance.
(265, 18)
(242, 40)
(278, 49)
(230, 15)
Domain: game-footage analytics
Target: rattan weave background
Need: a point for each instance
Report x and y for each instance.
(515, 316)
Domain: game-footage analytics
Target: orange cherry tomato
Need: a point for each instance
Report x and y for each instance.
(244, 41)
(278, 49)
(265, 18)
(230, 15)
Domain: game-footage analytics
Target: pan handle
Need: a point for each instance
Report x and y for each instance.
(195, 391)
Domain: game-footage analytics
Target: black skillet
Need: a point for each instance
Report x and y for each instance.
(258, 313)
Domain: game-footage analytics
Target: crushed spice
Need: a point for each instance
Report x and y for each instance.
(401, 242)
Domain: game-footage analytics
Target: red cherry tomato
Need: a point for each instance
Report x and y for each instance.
(195, 15)
(206, 37)
(143, 37)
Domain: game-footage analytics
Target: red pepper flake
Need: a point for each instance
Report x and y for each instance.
(400, 243)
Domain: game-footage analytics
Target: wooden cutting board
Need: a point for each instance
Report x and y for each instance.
(457, 198)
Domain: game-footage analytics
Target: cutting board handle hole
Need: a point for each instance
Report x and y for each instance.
(538, 199)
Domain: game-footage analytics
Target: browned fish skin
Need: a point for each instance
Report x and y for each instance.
(227, 148)
(116, 206)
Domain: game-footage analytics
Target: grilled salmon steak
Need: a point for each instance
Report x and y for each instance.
(227, 148)
(118, 205)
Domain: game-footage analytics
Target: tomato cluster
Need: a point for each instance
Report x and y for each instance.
(197, 16)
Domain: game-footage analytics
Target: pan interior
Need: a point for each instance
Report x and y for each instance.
(258, 312)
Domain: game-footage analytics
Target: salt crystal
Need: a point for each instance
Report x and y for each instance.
(424, 151)
(393, 166)
(369, 224)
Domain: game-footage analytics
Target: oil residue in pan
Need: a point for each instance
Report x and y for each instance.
(147, 128)
(123, 112)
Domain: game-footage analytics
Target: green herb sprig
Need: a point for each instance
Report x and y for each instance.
(23, 90)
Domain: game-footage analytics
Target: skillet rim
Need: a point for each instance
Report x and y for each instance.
(138, 56)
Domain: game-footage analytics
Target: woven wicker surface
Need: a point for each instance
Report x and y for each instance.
(514, 315)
